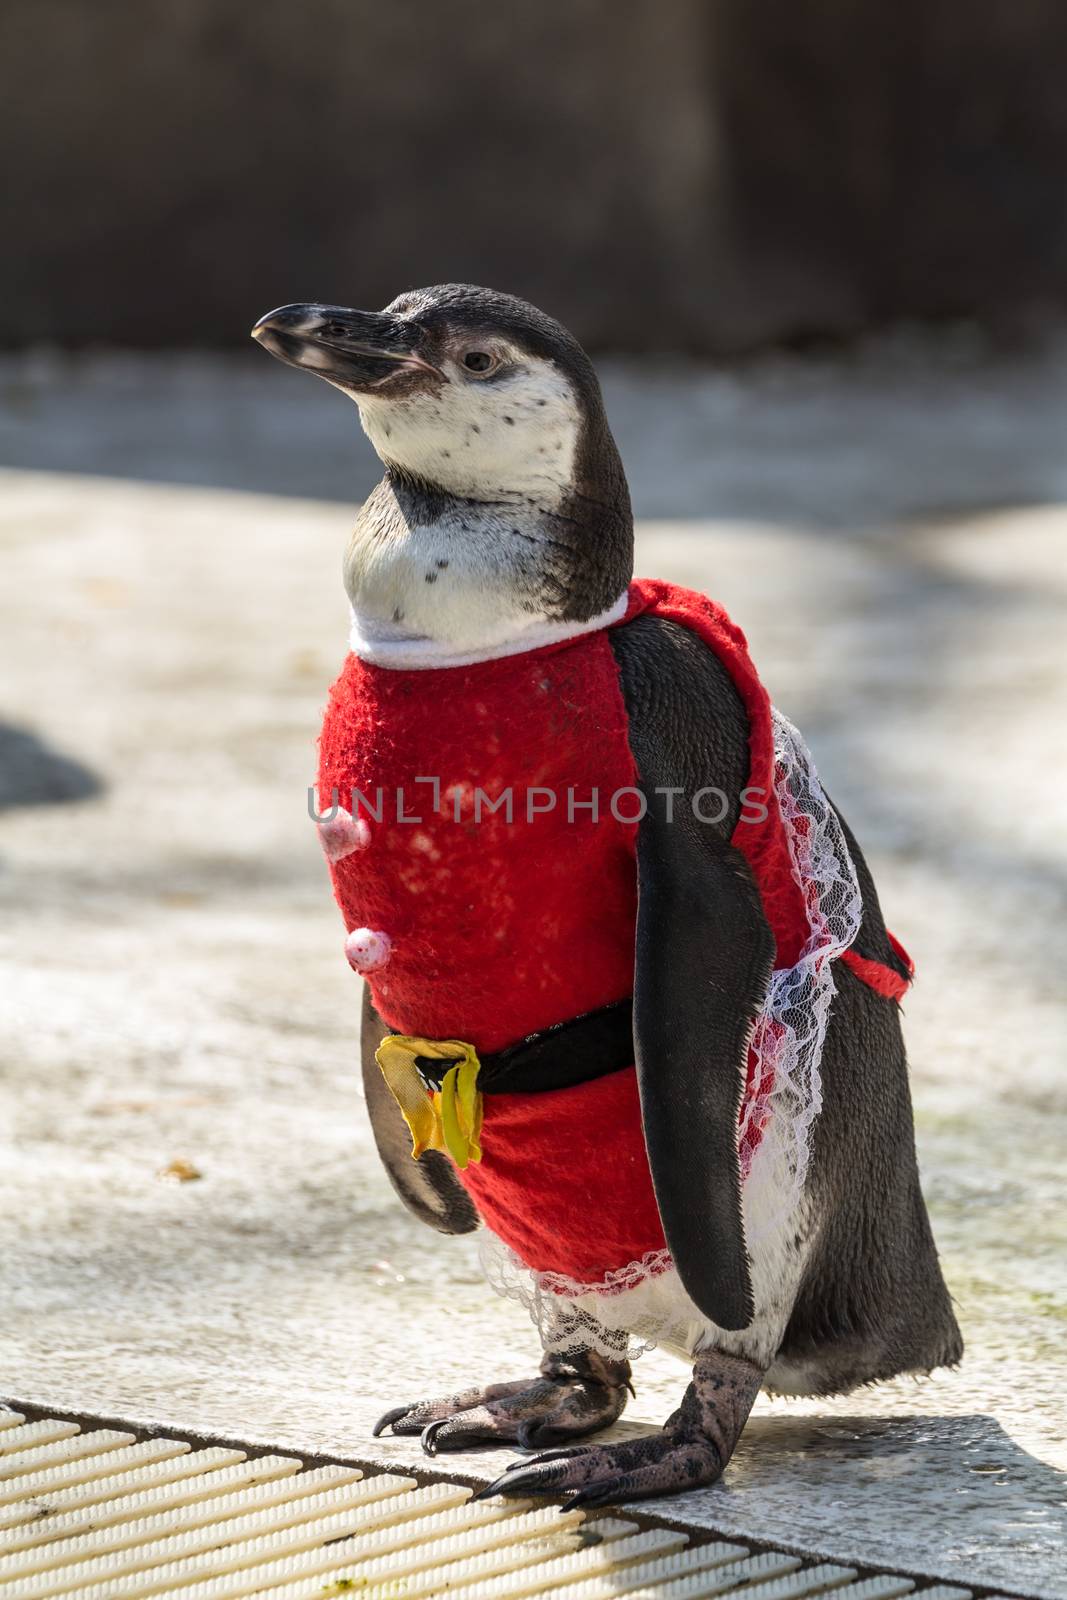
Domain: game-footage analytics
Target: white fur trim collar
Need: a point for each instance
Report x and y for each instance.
(385, 645)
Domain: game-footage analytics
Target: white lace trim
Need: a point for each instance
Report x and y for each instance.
(628, 1312)
(643, 1303)
(790, 1032)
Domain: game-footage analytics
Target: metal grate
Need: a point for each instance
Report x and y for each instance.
(95, 1513)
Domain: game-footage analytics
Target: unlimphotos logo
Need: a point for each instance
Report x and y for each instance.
(465, 802)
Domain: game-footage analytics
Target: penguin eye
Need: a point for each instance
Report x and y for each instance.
(479, 361)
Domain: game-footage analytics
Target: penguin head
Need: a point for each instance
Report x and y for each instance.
(473, 398)
(472, 391)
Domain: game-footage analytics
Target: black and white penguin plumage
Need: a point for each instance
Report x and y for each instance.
(501, 531)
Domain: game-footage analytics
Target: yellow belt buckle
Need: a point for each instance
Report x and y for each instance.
(449, 1118)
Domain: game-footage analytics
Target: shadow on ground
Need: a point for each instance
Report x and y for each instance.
(33, 773)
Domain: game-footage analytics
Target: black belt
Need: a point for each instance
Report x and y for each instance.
(586, 1047)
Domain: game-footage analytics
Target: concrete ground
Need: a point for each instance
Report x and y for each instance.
(889, 528)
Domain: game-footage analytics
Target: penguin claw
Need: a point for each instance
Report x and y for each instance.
(549, 1455)
(504, 1484)
(428, 1436)
(565, 1401)
(386, 1421)
(524, 1479)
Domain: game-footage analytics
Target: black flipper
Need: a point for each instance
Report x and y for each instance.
(704, 953)
(428, 1187)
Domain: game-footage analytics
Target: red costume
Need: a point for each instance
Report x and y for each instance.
(472, 926)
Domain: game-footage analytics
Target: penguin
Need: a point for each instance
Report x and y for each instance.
(630, 1001)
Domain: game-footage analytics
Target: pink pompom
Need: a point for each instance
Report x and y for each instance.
(367, 950)
(343, 834)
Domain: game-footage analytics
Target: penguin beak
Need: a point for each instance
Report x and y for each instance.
(357, 350)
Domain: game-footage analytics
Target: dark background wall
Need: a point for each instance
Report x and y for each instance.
(704, 175)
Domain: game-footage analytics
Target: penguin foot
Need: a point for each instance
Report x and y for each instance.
(574, 1395)
(690, 1451)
